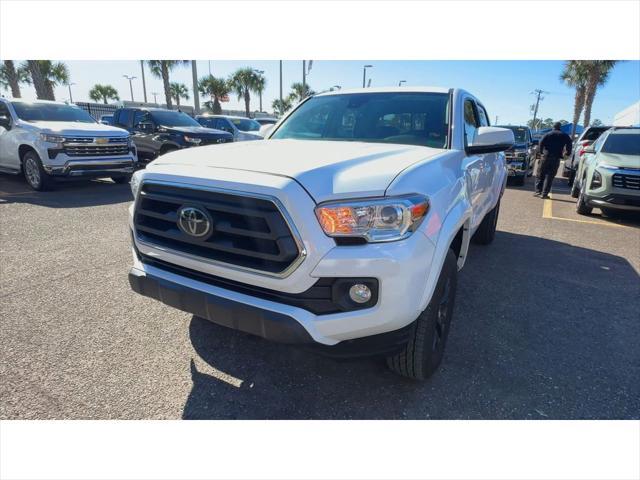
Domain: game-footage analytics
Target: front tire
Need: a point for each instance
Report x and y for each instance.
(581, 205)
(575, 189)
(487, 230)
(122, 179)
(34, 174)
(423, 354)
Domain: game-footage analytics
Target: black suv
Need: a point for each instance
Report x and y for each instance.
(520, 157)
(156, 131)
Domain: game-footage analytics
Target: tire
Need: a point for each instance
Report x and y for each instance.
(122, 179)
(423, 354)
(487, 230)
(575, 189)
(34, 174)
(166, 150)
(581, 206)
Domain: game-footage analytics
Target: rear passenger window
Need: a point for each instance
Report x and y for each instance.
(471, 123)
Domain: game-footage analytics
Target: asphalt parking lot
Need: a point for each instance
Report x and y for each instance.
(546, 326)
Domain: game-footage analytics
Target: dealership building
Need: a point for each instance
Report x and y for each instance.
(629, 117)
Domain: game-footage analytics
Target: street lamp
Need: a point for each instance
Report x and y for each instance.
(70, 96)
(364, 74)
(260, 72)
(401, 82)
(130, 84)
(155, 97)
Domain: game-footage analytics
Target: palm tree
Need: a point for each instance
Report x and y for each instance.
(280, 108)
(574, 74)
(261, 83)
(299, 92)
(597, 75)
(45, 76)
(103, 92)
(216, 88)
(178, 91)
(161, 69)
(10, 78)
(242, 83)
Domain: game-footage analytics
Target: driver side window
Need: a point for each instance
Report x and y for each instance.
(471, 122)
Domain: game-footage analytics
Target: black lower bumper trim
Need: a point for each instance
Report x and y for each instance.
(229, 313)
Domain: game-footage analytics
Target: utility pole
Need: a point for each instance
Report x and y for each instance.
(538, 93)
(401, 82)
(196, 94)
(130, 84)
(70, 96)
(280, 83)
(144, 84)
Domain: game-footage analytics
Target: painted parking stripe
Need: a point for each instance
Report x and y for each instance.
(547, 212)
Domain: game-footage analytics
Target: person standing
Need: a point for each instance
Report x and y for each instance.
(552, 147)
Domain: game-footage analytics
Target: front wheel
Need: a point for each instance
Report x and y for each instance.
(34, 174)
(423, 354)
(122, 179)
(581, 205)
(575, 189)
(487, 230)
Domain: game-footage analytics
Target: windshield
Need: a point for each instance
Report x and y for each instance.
(173, 119)
(50, 112)
(519, 133)
(622, 144)
(404, 118)
(593, 134)
(245, 124)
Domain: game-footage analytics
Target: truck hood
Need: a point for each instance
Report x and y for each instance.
(616, 160)
(77, 128)
(326, 169)
(198, 131)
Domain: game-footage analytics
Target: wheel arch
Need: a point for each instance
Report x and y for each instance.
(22, 151)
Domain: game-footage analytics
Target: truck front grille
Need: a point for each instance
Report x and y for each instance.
(95, 147)
(246, 232)
(621, 180)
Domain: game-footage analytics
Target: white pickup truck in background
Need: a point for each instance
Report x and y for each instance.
(343, 231)
(49, 141)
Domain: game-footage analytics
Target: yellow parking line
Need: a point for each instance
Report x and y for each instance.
(547, 212)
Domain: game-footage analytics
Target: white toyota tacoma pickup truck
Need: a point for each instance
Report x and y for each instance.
(343, 231)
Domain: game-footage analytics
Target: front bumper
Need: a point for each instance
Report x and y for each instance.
(614, 201)
(92, 167)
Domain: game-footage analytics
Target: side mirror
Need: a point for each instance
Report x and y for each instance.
(5, 122)
(266, 130)
(491, 139)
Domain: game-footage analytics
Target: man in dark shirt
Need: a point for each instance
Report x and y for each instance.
(552, 147)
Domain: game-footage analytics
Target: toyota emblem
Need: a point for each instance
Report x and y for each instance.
(194, 221)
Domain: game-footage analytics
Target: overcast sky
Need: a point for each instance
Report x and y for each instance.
(503, 86)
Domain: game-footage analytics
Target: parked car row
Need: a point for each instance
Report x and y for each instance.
(520, 158)
(53, 141)
(608, 173)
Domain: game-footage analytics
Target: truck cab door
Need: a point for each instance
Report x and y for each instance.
(8, 145)
(474, 166)
(143, 131)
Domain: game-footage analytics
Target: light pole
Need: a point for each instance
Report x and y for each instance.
(401, 82)
(144, 84)
(130, 84)
(364, 74)
(155, 97)
(70, 96)
(260, 72)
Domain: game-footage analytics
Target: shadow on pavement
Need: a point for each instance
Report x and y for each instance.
(83, 193)
(542, 329)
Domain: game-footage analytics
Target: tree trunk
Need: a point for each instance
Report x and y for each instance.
(12, 77)
(105, 100)
(49, 87)
(38, 79)
(247, 100)
(590, 95)
(578, 104)
(165, 82)
(178, 102)
(217, 108)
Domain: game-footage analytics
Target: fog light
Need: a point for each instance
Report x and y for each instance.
(360, 293)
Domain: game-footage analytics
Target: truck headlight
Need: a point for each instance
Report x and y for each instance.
(135, 183)
(193, 140)
(596, 180)
(376, 220)
(45, 137)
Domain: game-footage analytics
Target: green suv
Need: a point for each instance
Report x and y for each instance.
(608, 176)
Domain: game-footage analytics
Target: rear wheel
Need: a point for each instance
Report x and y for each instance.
(575, 189)
(487, 230)
(34, 174)
(423, 353)
(166, 150)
